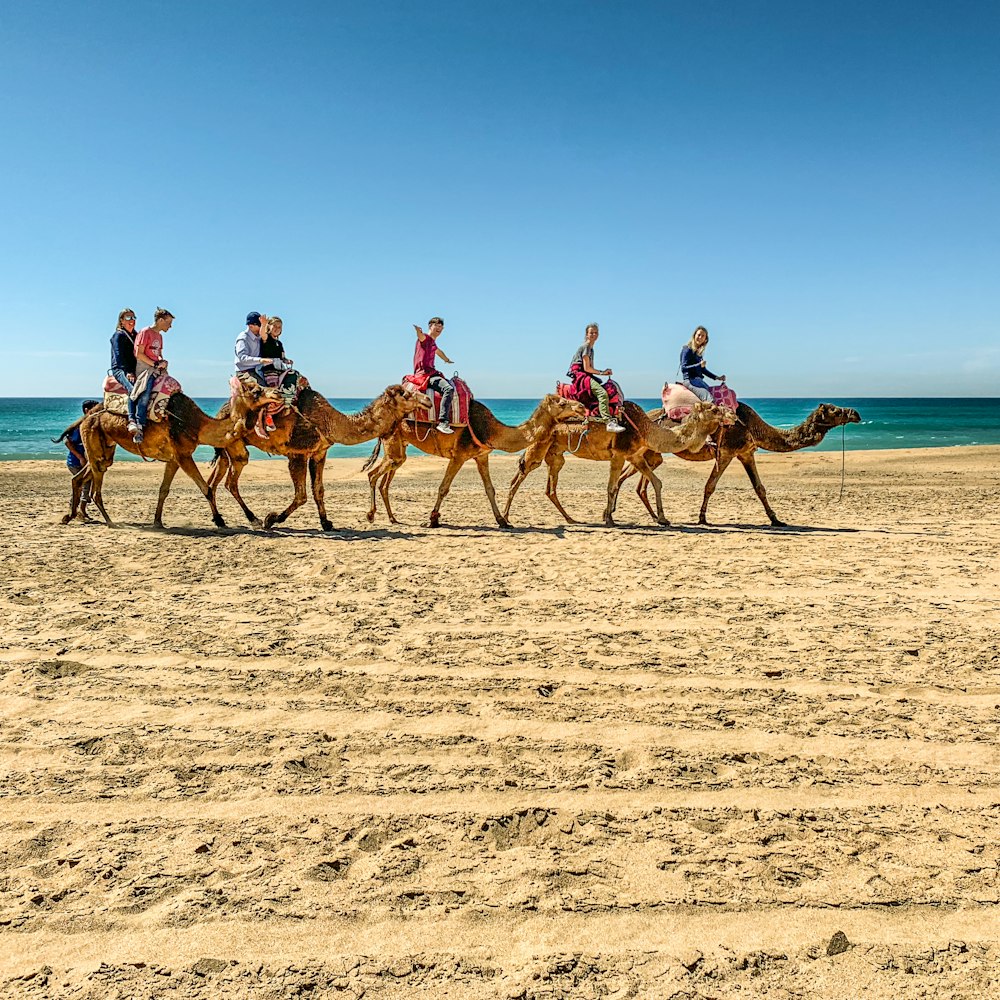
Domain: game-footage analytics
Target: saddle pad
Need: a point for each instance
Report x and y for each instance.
(678, 400)
(722, 395)
(459, 403)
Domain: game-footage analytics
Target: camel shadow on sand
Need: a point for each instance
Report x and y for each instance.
(273, 534)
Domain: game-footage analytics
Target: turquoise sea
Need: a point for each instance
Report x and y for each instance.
(26, 425)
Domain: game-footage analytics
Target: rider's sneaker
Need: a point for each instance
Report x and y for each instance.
(614, 427)
(137, 436)
(132, 427)
(445, 428)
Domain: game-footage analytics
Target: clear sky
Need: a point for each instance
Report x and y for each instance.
(817, 183)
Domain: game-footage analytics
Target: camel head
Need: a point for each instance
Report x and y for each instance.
(251, 398)
(405, 401)
(710, 416)
(827, 416)
(555, 409)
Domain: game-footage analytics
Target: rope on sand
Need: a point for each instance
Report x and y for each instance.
(843, 459)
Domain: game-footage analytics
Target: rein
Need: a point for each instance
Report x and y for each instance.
(579, 440)
(417, 435)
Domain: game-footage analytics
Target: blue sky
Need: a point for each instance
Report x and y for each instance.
(817, 183)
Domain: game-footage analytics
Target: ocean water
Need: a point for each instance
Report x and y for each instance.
(27, 425)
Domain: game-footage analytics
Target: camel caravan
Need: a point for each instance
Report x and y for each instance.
(273, 408)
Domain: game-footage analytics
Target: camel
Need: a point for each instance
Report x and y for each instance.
(483, 434)
(640, 438)
(304, 434)
(172, 441)
(741, 441)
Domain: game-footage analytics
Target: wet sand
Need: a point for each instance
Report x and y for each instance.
(555, 761)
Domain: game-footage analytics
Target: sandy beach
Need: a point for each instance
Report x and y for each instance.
(555, 761)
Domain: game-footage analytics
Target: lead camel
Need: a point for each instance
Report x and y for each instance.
(742, 440)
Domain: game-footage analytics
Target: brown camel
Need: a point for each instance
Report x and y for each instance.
(172, 441)
(741, 441)
(304, 434)
(640, 438)
(484, 433)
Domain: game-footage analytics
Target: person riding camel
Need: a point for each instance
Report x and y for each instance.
(250, 357)
(423, 365)
(149, 363)
(584, 376)
(122, 368)
(693, 368)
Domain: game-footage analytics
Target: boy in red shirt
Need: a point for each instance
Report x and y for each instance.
(423, 364)
(148, 358)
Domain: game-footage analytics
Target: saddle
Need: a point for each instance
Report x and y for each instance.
(579, 389)
(459, 415)
(678, 400)
(116, 398)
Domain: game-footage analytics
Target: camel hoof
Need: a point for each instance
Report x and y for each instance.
(67, 518)
(256, 522)
(370, 516)
(663, 522)
(327, 525)
(503, 523)
(703, 520)
(219, 522)
(270, 521)
(778, 524)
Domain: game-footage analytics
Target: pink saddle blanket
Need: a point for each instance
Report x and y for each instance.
(722, 395)
(459, 402)
(678, 400)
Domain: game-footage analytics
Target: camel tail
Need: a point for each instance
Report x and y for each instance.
(374, 455)
(72, 427)
(219, 452)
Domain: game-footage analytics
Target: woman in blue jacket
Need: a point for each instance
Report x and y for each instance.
(693, 370)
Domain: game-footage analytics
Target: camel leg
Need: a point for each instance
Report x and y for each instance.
(617, 462)
(483, 464)
(454, 464)
(224, 466)
(99, 456)
(297, 470)
(316, 467)
(383, 487)
(238, 461)
(649, 476)
(76, 491)
(97, 472)
(720, 466)
(750, 464)
(373, 476)
(382, 475)
(556, 462)
(187, 463)
(528, 463)
(169, 471)
(642, 489)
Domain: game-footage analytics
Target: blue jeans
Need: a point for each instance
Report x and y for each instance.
(700, 388)
(118, 374)
(141, 406)
(447, 390)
